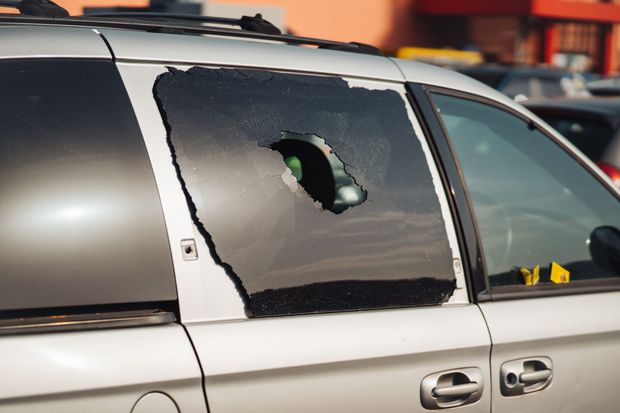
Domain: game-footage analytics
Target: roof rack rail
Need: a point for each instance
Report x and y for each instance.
(250, 23)
(170, 27)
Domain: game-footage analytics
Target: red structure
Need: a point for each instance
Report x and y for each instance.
(546, 28)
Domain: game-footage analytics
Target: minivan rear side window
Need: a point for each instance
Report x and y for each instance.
(315, 196)
(80, 217)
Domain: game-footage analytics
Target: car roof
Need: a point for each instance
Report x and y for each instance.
(29, 41)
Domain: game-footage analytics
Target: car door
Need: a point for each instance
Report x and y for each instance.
(316, 201)
(87, 294)
(548, 231)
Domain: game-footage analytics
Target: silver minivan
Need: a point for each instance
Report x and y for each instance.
(197, 218)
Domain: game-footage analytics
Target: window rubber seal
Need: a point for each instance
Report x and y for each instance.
(85, 321)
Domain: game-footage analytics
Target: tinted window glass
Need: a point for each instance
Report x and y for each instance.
(534, 204)
(80, 215)
(313, 195)
(590, 136)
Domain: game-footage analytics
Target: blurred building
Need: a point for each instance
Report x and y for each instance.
(575, 34)
(581, 35)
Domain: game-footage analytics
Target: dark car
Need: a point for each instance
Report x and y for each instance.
(604, 87)
(521, 83)
(592, 125)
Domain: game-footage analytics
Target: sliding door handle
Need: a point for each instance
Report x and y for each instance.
(535, 376)
(458, 390)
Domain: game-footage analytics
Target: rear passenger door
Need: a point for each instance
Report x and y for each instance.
(318, 199)
(87, 292)
(550, 248)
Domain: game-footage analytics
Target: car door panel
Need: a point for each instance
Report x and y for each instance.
(85, 249)
(98, 371)
(581, 336)
(359, 361)
(363, 362)
(555, 333)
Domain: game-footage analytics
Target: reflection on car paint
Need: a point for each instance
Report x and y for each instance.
(79, 201)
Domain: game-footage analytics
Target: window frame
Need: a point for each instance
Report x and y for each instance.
(354, 81)
(460, 201)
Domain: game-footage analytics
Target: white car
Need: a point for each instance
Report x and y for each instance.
(197, 218)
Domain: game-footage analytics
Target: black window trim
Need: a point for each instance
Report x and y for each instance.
(460, 201)
(452, 181)
(88, 318)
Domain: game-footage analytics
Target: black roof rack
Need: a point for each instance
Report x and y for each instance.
(43, 8)
(252, 27)
(250, 23)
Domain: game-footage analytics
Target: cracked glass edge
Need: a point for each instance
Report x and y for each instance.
(459, 295)
(206, 236)
(349, 192)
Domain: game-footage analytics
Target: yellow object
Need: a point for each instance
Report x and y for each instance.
(559, 274)
(533, 277)
(440, 55)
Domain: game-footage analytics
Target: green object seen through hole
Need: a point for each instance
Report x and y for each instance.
(294, 164)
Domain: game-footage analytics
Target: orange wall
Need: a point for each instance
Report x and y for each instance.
(383, 23)
(76, 7)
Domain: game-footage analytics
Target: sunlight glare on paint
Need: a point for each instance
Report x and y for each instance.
(72, 213)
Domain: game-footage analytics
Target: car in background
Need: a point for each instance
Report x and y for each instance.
(449, 58)
(592, 125)
(604, 87)
(522, 83)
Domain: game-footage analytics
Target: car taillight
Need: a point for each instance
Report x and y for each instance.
(612, 171)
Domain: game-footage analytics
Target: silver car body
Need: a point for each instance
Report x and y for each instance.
(362, 361)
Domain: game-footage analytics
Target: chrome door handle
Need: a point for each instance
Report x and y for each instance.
(525, 375)
(451, 388)
(458, 390)
(535, 376)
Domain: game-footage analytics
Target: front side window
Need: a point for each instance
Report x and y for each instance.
(541, 216)
(313, 195)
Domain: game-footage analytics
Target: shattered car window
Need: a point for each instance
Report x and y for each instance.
(314, 196)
